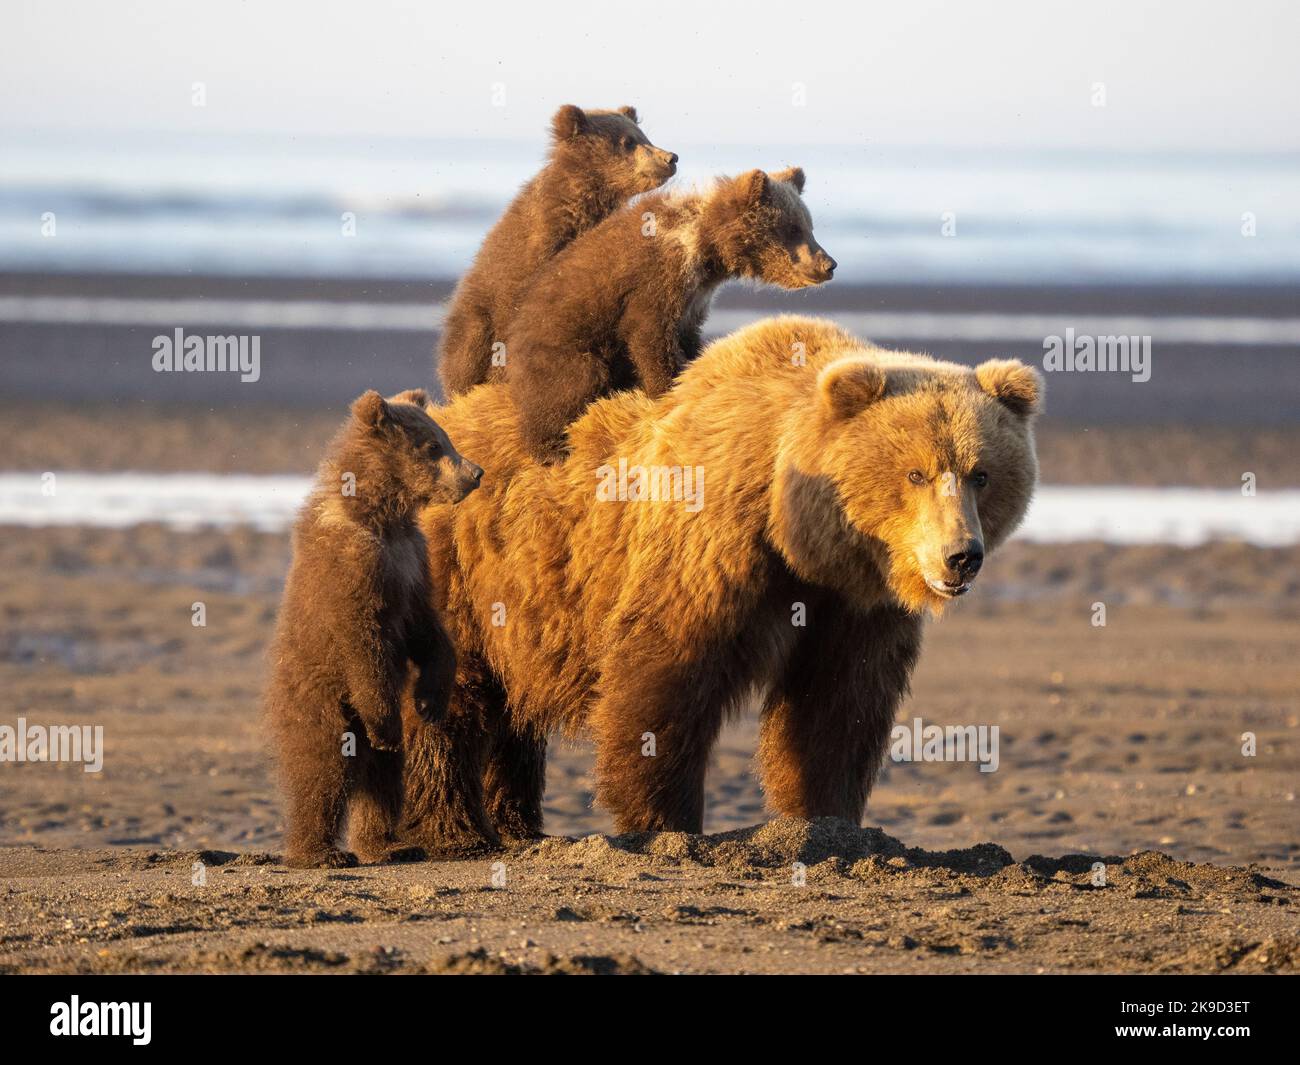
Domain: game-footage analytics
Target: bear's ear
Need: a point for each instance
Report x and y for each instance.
(757, 186)
(416, 397)
(371, 410)
(1013, 384)
(792, 175)
(628, 111)
(848, 386)
(569, 122)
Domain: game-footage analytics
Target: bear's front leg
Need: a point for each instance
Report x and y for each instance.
(657, 356)
(827, 721)
(434, 657)
(655, 725)
(374, 672)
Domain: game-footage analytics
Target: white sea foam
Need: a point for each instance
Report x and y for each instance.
(1181, 516)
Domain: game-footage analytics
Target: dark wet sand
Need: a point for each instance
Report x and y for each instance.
(316, 368)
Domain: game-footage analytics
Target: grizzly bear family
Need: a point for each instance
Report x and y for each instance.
(849, 491)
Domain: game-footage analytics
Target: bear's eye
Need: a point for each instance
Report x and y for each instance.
(916, 477)
(628, 144)
(979, 478)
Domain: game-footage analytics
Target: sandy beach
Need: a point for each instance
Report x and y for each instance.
(1115, 742)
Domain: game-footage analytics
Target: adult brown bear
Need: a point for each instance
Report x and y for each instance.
(771, 530)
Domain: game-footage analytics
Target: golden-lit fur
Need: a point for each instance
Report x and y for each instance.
(638, 619)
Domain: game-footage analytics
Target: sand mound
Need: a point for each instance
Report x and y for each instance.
(828, 847)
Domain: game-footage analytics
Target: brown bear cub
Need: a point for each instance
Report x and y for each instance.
(354, 618)
(624, 304)
(598, 161)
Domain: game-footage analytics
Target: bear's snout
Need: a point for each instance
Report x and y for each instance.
(966, 560)
(664, 162)
(815, 264)
(823, 266)
(470, 475)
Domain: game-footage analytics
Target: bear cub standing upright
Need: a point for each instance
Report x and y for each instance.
(625, 303)
(354, 619)
(599, 160)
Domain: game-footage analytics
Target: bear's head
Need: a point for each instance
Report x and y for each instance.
(904, 473)
(610, 147)
(405, 454)
(761, 230)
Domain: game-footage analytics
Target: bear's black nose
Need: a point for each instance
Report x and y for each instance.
(672, 157)
(967, 561)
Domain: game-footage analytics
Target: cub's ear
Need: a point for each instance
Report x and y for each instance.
(1013, 384)
(757, 186)
(628, 111)
(371, 410)
(569, 122)
(850, 385)
(792, 175)
(416, 397)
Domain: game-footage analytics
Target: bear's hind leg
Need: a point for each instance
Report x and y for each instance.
(465, 354)
(515, 780)
(313, 776)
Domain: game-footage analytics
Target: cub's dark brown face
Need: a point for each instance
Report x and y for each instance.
(781, 245)
(421, 457)
(612, 144)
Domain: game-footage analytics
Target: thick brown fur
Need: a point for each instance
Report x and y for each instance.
(356, 617)
(624, 305)
(636, 620)
(598, 161)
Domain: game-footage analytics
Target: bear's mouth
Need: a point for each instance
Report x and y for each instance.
(948, 589)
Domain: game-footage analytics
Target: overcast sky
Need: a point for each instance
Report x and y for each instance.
(1186, 75)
